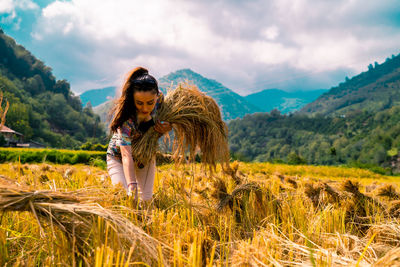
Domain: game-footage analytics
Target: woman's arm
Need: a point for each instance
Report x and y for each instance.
(128, 164)
(128, 167)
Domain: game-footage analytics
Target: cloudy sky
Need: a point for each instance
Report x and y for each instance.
(246, 45)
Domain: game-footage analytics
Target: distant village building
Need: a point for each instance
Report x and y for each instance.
(12, 137)
(16, 139)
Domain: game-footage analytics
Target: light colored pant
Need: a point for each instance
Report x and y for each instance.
(144, 176)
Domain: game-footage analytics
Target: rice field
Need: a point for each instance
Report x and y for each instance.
(253, 214)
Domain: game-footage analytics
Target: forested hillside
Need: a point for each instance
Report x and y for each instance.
(373, 90)
(42, 108)
(346, 133)
(363, 136)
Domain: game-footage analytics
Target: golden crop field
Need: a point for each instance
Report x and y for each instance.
(256, 214)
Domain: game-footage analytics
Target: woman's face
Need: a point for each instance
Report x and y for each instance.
(144, 102)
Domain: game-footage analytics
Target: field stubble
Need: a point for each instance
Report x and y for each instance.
(249, 215)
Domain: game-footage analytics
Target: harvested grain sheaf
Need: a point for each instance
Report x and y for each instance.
(291, 181)
(228, 199)
(394, 208)
(392, 258)
(197, 124)
(388, 191)
(321, 194)
(313, 193)
(387, 234)
(232, 171)
(74, 214)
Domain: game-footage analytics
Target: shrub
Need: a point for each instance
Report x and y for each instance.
(28, 155)
(94, 147)
(295, 159)
(98, 163)
(372, 167)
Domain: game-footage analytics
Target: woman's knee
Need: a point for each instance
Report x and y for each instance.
(116, 172)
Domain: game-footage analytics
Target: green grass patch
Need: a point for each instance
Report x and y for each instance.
(59, 156)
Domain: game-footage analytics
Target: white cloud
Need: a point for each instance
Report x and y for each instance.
(6, 6)
(26, 4)
(9, 6)
(326, 53)
(271, 53)
(271, 32)
(9, 9)
(235, 42)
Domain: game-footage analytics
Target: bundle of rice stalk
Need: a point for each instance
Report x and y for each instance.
(392, 258)
(74, 218)
(359, 197)
(321, 194)
(313, 193)
(197, 123)
(237, 192)
(388, 191)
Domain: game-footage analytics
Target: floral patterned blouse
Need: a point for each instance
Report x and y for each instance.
(128, 131)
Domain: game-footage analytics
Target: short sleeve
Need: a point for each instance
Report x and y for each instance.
(125, 132)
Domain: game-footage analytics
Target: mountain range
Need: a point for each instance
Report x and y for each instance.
(285, 102)
(97, 96)
(232, 104)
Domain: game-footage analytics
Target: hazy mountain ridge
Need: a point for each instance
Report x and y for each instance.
(232, 104)
(284, 101)
(102, 111)
(97, 96)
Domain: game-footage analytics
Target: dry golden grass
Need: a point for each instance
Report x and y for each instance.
(257, 215)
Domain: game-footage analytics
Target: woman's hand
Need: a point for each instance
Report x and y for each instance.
(133, 190)
(162, 127)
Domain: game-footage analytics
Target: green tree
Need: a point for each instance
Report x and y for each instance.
(18, 119)
(62, 87)
(295, 159)
(35, 85)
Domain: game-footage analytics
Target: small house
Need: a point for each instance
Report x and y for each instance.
(12, 137)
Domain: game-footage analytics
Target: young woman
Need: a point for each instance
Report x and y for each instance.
(133, 116)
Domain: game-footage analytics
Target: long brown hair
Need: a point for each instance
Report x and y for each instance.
(138, 80)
